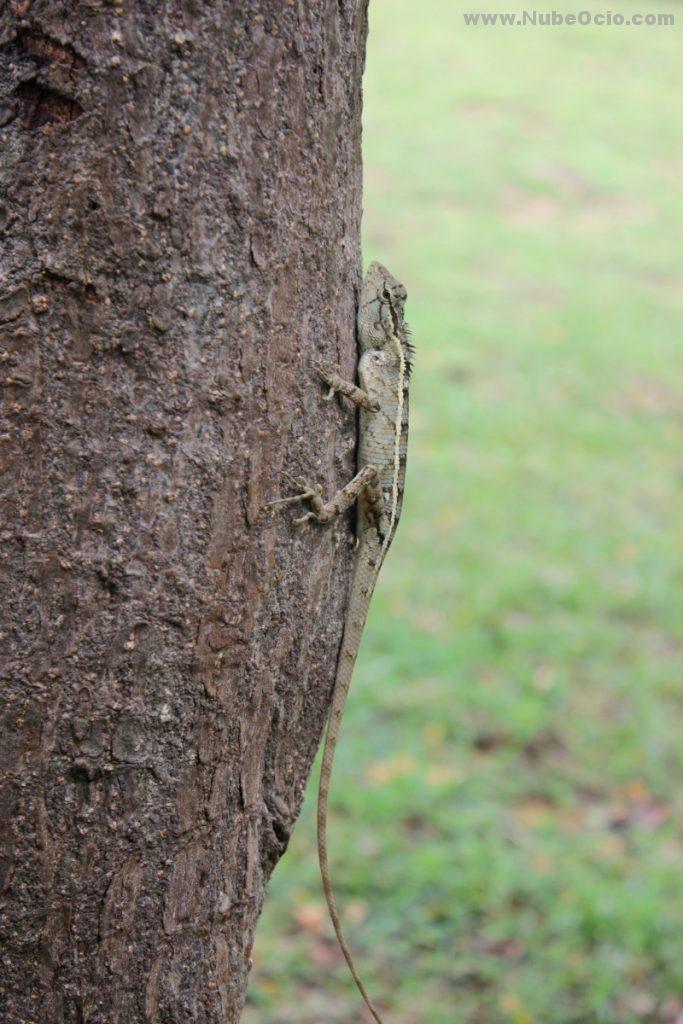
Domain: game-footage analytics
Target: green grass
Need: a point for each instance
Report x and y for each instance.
(507, 828)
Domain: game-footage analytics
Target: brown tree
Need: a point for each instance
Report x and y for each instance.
(180, 207)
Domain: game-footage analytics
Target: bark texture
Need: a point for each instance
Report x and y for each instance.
(180, 211)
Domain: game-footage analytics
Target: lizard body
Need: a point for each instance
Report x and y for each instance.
(384, 372)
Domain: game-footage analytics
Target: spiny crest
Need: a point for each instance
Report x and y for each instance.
(382, 307)
(408, 348)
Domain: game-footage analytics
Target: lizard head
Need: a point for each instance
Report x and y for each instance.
(381, 314)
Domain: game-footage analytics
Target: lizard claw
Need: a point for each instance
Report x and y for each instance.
(307, 489)
(325, 370)
(293, 480)
(306, 492)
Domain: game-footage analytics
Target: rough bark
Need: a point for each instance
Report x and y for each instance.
(180, 213)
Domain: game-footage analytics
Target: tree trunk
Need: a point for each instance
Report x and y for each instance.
(180, 218)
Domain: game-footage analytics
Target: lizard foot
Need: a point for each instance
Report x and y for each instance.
(309, 492)
(328, 373)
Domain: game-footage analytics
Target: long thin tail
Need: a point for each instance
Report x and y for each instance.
(349, 650)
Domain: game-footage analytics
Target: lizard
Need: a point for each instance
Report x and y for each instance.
(386, 359)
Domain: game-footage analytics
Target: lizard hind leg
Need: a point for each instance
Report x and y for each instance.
(365, 483)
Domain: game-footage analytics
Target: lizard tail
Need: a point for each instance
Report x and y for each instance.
(328, 756)
(349, 650)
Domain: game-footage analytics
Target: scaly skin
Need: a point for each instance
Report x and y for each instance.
(384, 372)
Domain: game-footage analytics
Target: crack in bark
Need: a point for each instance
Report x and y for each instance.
(45, 50)
(41, 106)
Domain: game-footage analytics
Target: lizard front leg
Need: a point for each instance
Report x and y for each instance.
(329, 373)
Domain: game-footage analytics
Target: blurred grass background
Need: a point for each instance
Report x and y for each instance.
(506, 833)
